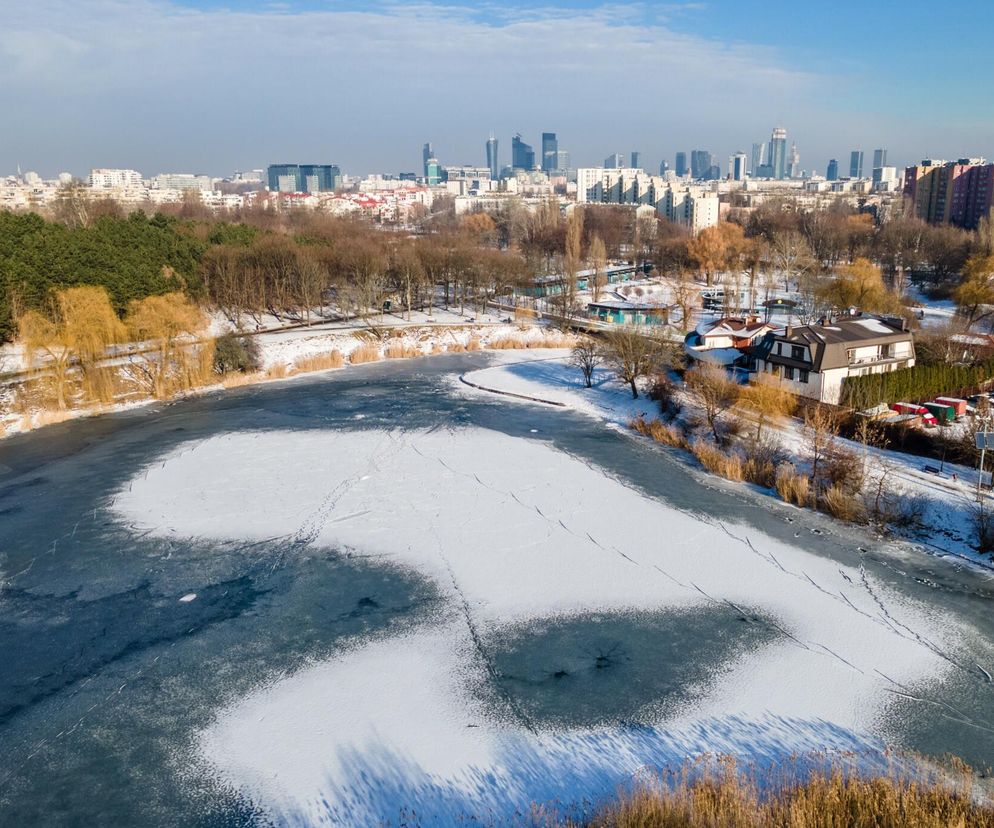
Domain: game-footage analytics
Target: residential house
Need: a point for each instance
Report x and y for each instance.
(813, 360)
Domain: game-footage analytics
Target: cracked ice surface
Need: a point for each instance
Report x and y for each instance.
(514, 531)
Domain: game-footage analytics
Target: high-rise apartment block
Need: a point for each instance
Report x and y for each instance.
(304, 178)
(694, 207)
(103, 179)
(954, 192)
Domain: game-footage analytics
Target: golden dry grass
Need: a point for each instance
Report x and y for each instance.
(277, 371)
(791, 486)
(473, 344)
(401, 350)
(505, 343)
(368, 352)
(844, 506)
(455, 348)
(716, 794)
(659, 431)
(236, 379)
(716, 461)
(761, 472)
(319, 362)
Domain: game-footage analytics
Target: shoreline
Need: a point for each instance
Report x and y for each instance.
(443, 339)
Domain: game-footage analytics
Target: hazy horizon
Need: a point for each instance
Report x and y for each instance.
(205, 87)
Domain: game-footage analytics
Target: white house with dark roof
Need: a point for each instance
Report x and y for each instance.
(813, 360)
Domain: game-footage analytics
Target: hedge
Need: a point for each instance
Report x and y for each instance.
(918, 384)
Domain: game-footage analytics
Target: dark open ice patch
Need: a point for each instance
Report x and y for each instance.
(609, 668)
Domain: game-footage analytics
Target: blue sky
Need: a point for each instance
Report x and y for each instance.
(216, 85)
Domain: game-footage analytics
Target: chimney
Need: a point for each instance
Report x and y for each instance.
(788, 331)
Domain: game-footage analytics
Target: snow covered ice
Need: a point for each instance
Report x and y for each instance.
(514, 532)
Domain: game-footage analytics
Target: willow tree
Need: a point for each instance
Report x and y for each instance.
(768, 400)
(173, 359)
(77, 330)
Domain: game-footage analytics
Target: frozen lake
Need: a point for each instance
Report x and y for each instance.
(335, 599)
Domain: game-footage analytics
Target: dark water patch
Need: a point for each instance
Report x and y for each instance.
(606, 669)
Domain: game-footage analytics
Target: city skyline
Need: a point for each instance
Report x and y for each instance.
(180, 87)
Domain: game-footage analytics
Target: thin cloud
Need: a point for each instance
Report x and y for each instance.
(159, 85)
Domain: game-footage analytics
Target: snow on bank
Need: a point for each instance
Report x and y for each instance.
(949, 499)
(513, 531)
(287, 347)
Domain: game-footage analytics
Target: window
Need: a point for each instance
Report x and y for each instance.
(797, 352)
(788, 372)
(803, 376)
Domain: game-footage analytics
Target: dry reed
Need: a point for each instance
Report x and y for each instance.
(716, 794)
(659, 431)
(716, 461)
(319, 362)
(367, 352)
(401, 350)
(791, 486)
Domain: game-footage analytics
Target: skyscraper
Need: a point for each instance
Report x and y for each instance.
(426, 152)
(700, 163)
(793, 162)
(737, 166)
(778, 154)
(856, 164)
(758, 158)
(492, 157)
(636, 160)
(614, 162)
(522, 154)
(833, 170)
(550, 152)
(433, 171)
(664, 167)
(879, 162)
(680, 164)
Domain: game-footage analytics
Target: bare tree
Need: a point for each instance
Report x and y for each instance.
(633, 354)
(790, 255)
(586, 356)
(822, 426)
(714, 391)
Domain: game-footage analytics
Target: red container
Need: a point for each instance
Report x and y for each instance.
(955, 402)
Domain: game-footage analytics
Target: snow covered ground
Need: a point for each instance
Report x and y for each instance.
(949, 498)
(513, 531)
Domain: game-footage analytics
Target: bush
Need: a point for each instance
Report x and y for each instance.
(791, 486)
(843, 505)
(319, 362)
(236, 353)
(844, 470)
(663, 391)
(367, 352)
(717, 461)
